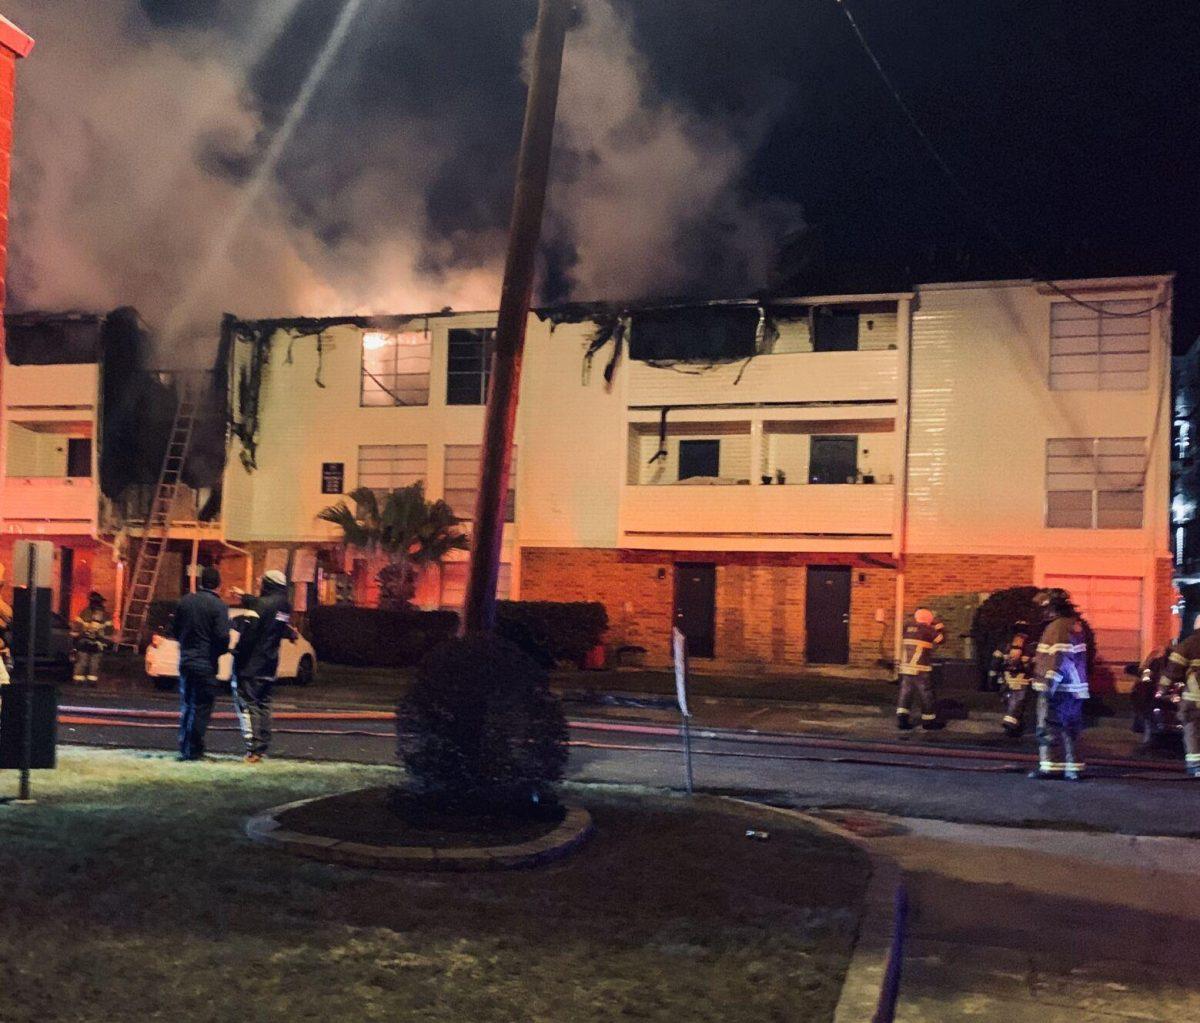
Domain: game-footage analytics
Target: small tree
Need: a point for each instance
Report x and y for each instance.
(480, 731)
(406, 534)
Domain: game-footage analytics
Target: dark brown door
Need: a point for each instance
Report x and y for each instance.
(66, 576)
(696, 607)
(827, 615)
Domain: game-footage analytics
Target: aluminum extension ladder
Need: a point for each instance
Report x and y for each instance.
(157, 532)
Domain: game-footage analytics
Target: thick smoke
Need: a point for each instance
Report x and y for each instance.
(647, 199)
(140, 123)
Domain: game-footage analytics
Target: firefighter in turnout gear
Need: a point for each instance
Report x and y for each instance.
(1061, 683)
(1183, 669)
(921, 636)
(1012, 675)
(92, 630)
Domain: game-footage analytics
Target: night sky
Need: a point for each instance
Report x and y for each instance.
(1072, 126)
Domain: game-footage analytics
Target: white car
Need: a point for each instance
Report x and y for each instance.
(297, 659)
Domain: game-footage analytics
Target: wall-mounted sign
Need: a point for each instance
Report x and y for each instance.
(333, 477)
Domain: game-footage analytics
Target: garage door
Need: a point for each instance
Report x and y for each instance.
(1113, 607)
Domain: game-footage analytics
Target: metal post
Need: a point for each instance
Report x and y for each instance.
(687, 753)
(195, 572)
(23, 795)
(533, 169)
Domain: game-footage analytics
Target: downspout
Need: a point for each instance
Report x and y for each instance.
(248, 584)
(901, 545)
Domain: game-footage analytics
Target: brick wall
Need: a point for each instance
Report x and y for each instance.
(760, 616)
(92, 568)
(1166, 623)
(951, 584)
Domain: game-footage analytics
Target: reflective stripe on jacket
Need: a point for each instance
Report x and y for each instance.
(916, 649)
(1183, 667)
(1060, 665)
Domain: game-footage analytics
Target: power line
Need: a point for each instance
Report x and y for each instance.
(980, 211)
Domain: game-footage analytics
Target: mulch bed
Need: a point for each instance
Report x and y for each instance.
(370, 816)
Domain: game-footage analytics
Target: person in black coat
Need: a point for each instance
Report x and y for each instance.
(256, 661)
(202, 628)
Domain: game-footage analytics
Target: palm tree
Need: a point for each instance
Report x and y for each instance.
(408, 533)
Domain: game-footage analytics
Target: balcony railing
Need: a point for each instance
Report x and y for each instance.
(834, 510)
(68, 503)
(790, 378)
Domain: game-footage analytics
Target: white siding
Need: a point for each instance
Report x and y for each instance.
(304, 425)
(797, 377)
(575, 447)
(983, 411)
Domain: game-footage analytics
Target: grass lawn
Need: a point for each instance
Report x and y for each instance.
(129, 893)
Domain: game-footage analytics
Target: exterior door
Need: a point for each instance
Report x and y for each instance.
(696, 607)
(827, 615)
(66, 575)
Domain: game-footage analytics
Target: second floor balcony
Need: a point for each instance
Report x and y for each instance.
(49, 503)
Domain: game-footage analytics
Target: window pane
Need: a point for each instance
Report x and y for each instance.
(469, 366)
(1119, 346)
(462, 481)
(395, 369)
(384, 467)
(1069, 509)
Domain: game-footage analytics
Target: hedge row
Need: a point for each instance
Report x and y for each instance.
(374, 638)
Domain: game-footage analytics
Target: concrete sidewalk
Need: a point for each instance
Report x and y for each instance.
(1032, 926)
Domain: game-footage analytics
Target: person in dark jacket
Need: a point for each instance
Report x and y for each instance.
(1012, 668)
(922, 635)
(1060, 679)
(256, 661)
(92, 630)
(202, 628)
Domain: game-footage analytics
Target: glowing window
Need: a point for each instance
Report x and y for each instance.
(395, 369)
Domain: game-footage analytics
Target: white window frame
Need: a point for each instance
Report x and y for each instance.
(395, 369)
(1106, 475)
(460, 487)
(387, 467)
(1100, 347)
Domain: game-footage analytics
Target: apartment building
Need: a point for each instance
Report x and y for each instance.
(83, 434)
(785, 481)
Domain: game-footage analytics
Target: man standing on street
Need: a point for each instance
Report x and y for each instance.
(1061, 683)
(256, 662)
(921, 635)
(202, 628)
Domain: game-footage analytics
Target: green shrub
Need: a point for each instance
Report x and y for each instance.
(372, 638)
(479, 729)
(552, 631)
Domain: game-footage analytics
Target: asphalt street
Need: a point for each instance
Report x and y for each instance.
(913, 777)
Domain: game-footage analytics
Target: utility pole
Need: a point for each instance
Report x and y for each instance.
(533, 170)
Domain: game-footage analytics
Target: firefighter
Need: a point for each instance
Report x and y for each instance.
(92, 630)
(1012, 672)
(5, 624)
(1183, 669)
(1147, 691)
(6, 617)
(921, 636)
(1061, 683)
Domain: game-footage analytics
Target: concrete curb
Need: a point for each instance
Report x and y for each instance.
(574, 830)
(868, 962)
